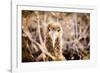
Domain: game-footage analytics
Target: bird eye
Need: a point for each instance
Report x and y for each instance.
(58, 30)
(49, 29)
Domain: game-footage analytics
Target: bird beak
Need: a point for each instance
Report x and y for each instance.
(53, 37)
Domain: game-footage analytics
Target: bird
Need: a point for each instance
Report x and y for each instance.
(53, 41)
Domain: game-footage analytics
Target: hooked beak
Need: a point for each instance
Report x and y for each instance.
(53, 36)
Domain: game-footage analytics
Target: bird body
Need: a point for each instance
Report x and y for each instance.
(54, 41)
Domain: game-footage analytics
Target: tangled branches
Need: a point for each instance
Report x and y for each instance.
(75, 35)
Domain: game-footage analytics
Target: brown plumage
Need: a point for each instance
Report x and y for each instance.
(54, 41)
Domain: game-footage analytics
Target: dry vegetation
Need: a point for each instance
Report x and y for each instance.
(75, 35)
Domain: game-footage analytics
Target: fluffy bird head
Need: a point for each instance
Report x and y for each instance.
(54, 31)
